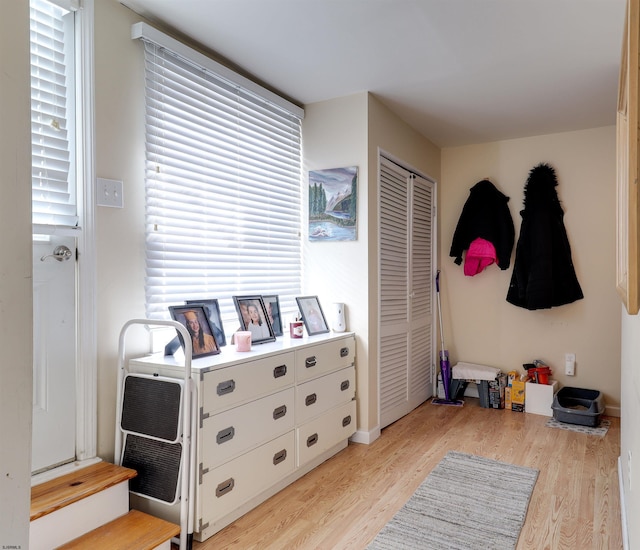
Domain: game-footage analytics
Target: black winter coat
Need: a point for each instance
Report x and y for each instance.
(543, 273)
(485, 214)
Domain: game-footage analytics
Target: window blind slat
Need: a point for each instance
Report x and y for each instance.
(223, 188)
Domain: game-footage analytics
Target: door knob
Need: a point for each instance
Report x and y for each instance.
(60, 253)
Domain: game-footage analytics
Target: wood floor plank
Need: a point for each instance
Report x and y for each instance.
(345, 502)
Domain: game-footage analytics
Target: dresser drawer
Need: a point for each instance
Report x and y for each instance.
(314, 361)
(321, 394)
(232, 484)
(232, 432)
(231, 386)
(322, 433)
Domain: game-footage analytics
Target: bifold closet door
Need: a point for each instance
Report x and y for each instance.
(407, 235)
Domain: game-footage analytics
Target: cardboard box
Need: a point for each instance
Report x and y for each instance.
(496, 391)
(517, 395)
(539, 397)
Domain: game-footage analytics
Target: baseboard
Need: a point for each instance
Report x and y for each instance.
(612, 411)
(623, 507)
(367, 438)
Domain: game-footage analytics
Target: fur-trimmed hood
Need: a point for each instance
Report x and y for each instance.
(540, 189)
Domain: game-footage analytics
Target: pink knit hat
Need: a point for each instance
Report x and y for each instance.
(481, 254)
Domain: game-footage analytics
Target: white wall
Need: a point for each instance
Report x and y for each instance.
(335, 135)
(480, 326)
(119, 100)
(15, 277)
(349, 131)
(630, 433)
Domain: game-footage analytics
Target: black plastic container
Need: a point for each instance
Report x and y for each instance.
(578, 406)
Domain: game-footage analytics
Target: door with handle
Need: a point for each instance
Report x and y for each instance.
(54, 351)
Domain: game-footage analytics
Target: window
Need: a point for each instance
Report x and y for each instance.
(223, 186)
(52, 115)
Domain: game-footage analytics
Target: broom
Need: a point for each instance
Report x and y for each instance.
(445, 367)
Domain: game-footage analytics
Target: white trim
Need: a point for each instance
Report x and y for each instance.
(364, 437)
(623, 507)
(610, 410)
(86, 356)
(148, 33)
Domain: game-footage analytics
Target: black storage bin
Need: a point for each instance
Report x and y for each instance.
(578, 406)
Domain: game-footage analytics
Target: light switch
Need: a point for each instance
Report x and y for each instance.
(109, 193)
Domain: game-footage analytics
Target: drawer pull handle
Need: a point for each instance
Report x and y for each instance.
(310, 361)
(345, 385)
(225, 487)
(310, 399)
(279, 457)
(346, 421)
(312, 440)
(280, 371)
(225, 435)
(226, 387)
(279, 412)
(344, 352)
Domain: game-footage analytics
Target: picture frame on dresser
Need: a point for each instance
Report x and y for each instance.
(312, 315)
(195, 319)
(212, 307)
(272, 303)
(252, 314)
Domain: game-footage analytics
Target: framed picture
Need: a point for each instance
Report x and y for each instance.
(312, 315)
(273, 313)
(213, 313)
(333, 198)
(252, 314)
(194, 317)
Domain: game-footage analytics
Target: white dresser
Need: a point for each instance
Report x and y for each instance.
(266, 418)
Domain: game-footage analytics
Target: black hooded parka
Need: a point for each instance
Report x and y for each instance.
(543, 272)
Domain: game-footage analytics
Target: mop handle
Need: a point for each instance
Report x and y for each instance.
(439, 311)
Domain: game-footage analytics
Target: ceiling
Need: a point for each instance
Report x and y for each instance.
(458, 71)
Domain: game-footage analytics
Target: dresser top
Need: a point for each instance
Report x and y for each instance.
(228, 355)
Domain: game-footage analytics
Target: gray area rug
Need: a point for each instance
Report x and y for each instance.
(466, 502)
(600, 430)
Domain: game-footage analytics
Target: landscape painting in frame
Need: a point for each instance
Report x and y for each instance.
(333, 197)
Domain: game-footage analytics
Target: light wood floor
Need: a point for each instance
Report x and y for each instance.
(348, 499)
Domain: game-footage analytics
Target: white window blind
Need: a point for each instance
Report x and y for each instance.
(53, 178)
(223, 196)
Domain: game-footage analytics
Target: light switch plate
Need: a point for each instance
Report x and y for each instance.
(109, 193)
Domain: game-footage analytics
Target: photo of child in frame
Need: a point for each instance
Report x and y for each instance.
(195, 320)
(252, 314)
